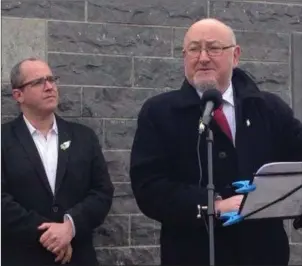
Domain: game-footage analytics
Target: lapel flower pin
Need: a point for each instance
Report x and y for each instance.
(65, 145)
(248, 122)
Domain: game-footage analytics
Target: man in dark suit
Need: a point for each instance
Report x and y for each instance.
(167, 181)
(55, 184)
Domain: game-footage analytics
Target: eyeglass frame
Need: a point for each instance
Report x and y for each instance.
(35, 82)
(222, 48)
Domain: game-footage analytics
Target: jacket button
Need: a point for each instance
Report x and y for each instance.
(55, 208)
(222, 155)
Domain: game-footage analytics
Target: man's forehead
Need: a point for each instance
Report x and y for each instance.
(205, 41)
(34, 67)
(34, 63)
(208, 33)
(199, 36)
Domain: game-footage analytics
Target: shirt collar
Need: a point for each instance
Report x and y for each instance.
(227, 96)
(32, 129)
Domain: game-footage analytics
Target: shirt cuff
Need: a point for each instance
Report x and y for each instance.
(68, 217)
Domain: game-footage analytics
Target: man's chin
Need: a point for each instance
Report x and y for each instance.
(48, 109)
(203, 85)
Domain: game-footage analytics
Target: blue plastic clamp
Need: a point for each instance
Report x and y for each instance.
(231, 218)
(244, 186)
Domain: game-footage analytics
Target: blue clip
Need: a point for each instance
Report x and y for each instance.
(244, 186)
(231, 217)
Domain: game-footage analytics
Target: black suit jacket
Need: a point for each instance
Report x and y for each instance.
(83, 190)
(168, 184)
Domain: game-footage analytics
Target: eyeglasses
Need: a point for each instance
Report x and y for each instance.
(40, 81)
(212, 50)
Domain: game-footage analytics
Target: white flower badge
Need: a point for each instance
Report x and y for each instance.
(65, 145)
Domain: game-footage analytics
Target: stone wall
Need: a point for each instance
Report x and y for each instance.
(113, 55)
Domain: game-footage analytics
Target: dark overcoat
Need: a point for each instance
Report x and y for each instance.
(168, 185)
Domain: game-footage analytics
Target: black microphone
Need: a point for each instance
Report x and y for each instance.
(211, 99)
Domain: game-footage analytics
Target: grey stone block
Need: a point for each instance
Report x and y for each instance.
(158, 73)
(48, 9)
(95, 124)
(70, 101)
(129, 256)
(255, 16)
(91, 70)
(118, 163)
(295, 254)
(115, 102)
(8, 105)
(270, 77)
(124, 201)
(22, 38)
(142, 231)
(119, 134)
(156, 12)
(264, 46)
(178, 38)
(113, 232)
(109, 39)
(296, 68)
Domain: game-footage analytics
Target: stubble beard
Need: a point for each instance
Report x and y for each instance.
(203, 85)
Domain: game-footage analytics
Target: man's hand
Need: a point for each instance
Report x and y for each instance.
(57, 235)
(229, 204)
(64, 255)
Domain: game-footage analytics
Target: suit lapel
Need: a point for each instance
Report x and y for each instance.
(63, 152)
(30, 148)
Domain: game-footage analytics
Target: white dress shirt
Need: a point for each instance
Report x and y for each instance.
(48, 151)
(228, 108)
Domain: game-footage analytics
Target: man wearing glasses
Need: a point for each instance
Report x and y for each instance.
(55, 184)
(250, 128)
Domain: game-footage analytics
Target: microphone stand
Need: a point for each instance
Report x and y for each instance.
(210, 189)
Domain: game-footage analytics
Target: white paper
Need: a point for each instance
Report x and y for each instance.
(270, 188)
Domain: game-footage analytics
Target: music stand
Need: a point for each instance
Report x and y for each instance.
(274, 192)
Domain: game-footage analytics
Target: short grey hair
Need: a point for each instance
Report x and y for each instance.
(16, 77)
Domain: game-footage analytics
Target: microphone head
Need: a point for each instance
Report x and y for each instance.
(212, 95)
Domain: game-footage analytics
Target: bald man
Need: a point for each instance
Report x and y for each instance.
(168, 177)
